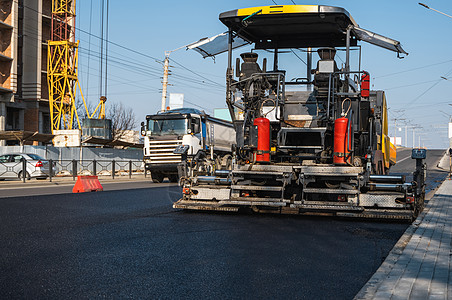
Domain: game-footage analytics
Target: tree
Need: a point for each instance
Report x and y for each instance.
(122, 119)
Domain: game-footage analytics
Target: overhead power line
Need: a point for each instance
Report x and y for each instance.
(414, 69)
(204, 82)
(197, 74)
(93, 35)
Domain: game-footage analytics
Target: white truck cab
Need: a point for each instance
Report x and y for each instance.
(165, 131)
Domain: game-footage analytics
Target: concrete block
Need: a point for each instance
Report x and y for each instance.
(419, 293)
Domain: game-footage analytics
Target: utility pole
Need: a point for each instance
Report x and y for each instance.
(395, 129)
(405, 124)
(414, 137)
(166, 66)
(165, 79)
(406, 135)
(166, 71)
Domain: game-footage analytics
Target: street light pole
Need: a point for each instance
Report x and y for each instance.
(428, 7)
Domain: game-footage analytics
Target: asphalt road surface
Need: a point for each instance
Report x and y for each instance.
(132, 244)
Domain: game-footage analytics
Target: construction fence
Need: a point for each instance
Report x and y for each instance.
(25, 169)
(69, 162)
(79, 153)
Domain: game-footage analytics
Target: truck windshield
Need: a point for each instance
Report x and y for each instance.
(167, 127)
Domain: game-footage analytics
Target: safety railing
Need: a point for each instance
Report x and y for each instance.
(49, 169)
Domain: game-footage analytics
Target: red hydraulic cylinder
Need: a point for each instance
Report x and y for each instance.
(341, 139)
(263, 139)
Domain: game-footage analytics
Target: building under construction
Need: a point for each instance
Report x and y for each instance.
(25, 28)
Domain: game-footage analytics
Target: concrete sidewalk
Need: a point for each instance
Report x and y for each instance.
(419, 265)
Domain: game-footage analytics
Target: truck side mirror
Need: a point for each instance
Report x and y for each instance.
(143, 129)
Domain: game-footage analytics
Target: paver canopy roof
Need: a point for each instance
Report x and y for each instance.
(291, 26)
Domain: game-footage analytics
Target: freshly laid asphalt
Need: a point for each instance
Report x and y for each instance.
(132, 244)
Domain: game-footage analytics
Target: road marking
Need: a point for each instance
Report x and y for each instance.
(403, 159)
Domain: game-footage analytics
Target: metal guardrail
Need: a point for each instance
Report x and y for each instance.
(70, 168)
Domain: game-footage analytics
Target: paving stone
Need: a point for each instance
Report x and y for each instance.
(424, 267)
(441, 275)
(449, 292)
(438, 286)
(418, 295)
(399, 297)
(383, 295)
(437, 297)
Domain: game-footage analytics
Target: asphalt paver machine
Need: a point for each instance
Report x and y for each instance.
(314, 144)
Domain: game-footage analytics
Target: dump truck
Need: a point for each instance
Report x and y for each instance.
(190, 130)
(313, 142)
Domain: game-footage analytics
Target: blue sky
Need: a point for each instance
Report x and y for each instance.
(414, 88)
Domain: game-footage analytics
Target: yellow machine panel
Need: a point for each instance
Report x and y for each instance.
(388, 149)
(278, 9)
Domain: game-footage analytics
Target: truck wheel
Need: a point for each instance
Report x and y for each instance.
(157, 177)
(173, 178)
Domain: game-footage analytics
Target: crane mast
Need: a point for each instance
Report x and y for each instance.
(62, 67)
(62, 70)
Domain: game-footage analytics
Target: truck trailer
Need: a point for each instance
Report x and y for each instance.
(313, 143)
(190, 129)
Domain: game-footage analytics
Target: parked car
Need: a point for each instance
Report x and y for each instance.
(11, 166)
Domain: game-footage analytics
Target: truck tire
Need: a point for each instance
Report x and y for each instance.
(173, 178)
(157, 177)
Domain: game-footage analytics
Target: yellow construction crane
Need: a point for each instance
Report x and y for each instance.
(62, 66)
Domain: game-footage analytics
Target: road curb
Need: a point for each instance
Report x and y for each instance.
(369, 289)
(444, 162)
